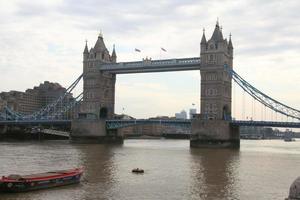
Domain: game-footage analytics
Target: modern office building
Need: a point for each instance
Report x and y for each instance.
(181, 115)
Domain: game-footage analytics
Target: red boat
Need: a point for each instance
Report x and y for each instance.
(23, 183)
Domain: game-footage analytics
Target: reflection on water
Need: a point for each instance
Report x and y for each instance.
(215, 173)
(259, 170)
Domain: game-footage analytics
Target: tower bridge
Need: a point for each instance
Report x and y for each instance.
(99, 76)
(214, 125)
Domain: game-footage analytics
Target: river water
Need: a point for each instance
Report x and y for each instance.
(261, 169)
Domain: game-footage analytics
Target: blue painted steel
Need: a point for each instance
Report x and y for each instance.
(266, 124)
(115, 124)
(263, 98)
(36, 122)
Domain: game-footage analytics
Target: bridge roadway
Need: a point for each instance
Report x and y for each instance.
(36, 122)
(114, 124)
(148, 65)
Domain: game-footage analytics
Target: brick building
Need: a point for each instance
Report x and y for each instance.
(34, 99)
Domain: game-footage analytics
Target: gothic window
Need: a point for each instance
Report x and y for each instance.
(211, 57)
(211, 46)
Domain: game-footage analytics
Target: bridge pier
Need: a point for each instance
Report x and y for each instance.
(214, 134)
(3, 129)
(93, 131)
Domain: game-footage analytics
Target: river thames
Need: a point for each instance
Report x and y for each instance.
(260, 169)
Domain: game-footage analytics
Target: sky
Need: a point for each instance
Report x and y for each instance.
(44, 40)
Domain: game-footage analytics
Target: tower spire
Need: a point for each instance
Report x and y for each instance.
(203, 40)
(217, 34)
(114, 55)
(100, 34)
(230, 42)
(86, 50)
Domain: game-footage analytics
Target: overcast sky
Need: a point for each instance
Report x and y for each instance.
(44, 40)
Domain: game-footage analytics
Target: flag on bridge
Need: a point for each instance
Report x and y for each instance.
(137, 50)
(163, 49)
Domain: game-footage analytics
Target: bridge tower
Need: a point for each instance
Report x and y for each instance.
(215, 81)
(212, 127)
(98, 87)
(98, 95)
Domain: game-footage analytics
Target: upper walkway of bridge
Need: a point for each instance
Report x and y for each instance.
(148, 65)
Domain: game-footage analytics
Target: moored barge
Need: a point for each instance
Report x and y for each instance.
(24, 183)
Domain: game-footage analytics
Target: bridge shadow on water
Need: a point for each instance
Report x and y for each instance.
(214, 173)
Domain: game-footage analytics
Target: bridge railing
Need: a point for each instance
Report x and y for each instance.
(115, 124)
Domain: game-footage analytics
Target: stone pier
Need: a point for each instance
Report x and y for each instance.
(214, 134)
(3, 129)
(93, 131)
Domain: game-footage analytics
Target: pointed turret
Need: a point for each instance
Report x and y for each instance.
(114, 55)
(217, 35)
(86, 50)
(230, 47)
(203, 40)
(203, 44)
(230, 42)
(100, 46)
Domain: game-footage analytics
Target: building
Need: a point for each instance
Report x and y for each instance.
(193, 111)
(181, 115)
(2, 104)
(34, 99)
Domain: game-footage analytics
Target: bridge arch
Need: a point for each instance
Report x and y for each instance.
(226, 112)
(103, 113)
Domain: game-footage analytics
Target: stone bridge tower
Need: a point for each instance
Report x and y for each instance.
(98, 87)
(98, 97)
(212, 128)
(215, 81)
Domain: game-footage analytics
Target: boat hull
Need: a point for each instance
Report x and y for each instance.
(30, 185)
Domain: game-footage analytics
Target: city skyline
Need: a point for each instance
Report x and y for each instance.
(266, 46)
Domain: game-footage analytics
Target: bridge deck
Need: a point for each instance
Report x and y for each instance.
(36, 122)
(113, 124)
(267, 124)
(147, 66)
